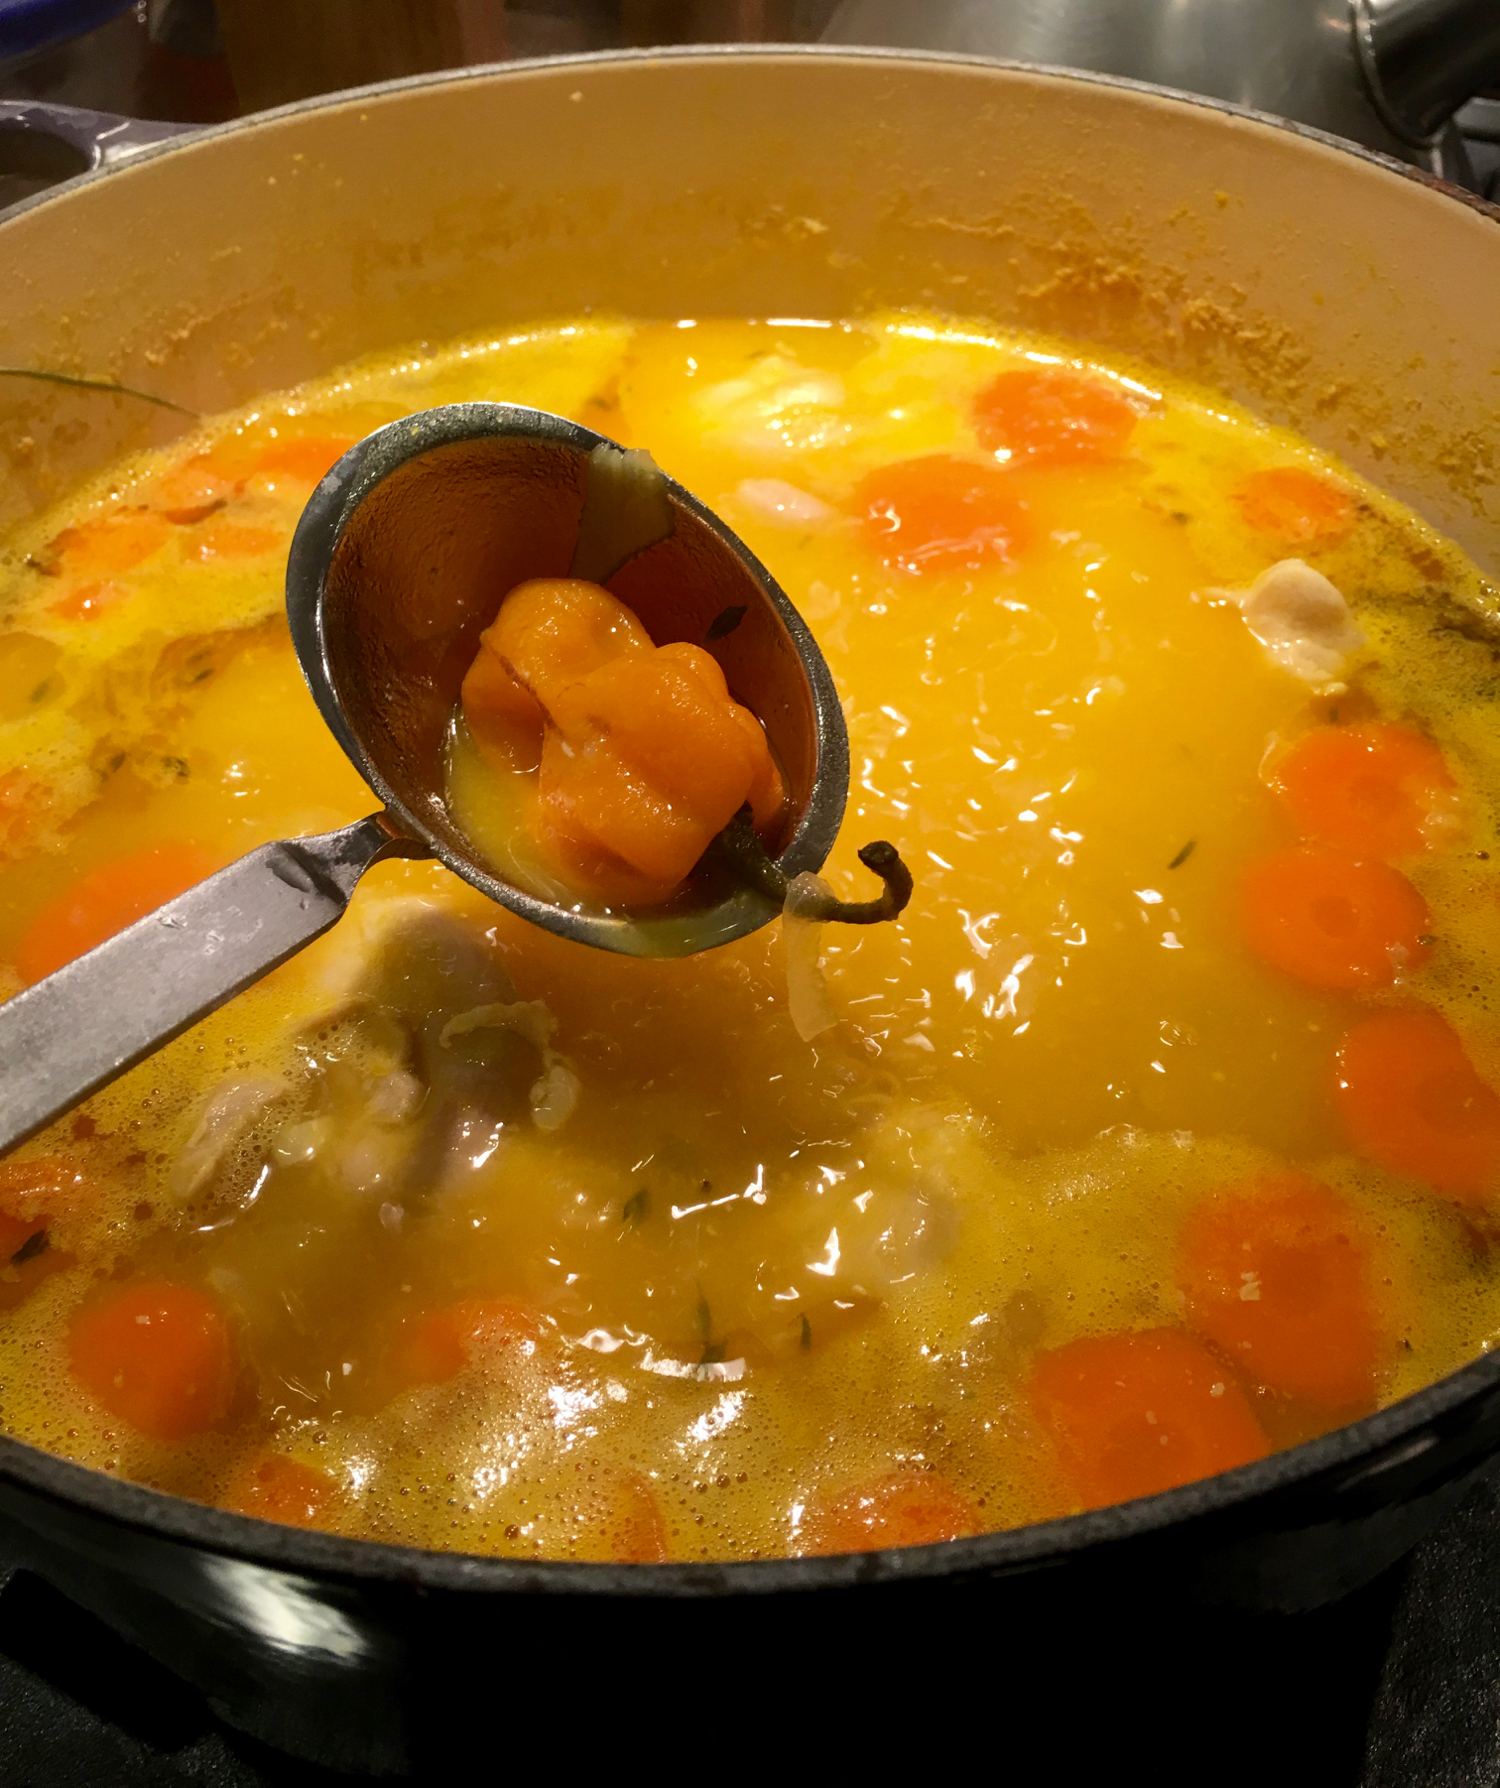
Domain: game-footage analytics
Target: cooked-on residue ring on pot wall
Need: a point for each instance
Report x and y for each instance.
(1158, 1133)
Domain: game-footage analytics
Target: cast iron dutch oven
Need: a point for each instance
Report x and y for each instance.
(1345, 295)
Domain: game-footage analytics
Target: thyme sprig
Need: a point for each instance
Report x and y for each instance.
(57, 378)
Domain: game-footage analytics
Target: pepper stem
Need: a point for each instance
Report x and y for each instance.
(745, 856)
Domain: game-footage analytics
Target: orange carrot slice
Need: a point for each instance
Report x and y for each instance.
(198, 485)
(44, 1188)
(106, 901)
(1295, 505)
(1052, 416)
(276, 1488)
(940, 514)
(1279, 1276)
(1412, 1102)
(87, 602)
(306, 458)
(1134, 1413)
(634, 1531)
(1375, 789)
(109, 545)
(30, 1193)
(1333, 920)
(191, 491)
(219, 538)
(911, 1508)
(432, 1349)
(158, 1356)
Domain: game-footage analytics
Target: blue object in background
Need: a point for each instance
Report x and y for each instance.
(30, 25)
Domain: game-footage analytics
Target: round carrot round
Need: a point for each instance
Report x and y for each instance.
(221, 539)
(1052, 416)
(1376, 789)
(1412, 1102)
(1279, 1276)
(911, 1508)
(87, 602)
(1333, 920)
(634, 1532)
(304, 457)
(106, 901)
(109, 544)
(432, 1349)
(276, 1488)
(940, 514)
(33, 1194)
(1135, 1413)
(158, 1356)
(1295, 505)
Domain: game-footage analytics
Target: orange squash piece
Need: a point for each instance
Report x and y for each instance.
(549, 632)
(1135, 1413)
(1279, 1276)
(307, 458)
(1412, 1101)
(191, 491)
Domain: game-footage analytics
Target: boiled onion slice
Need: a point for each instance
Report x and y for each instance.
(806, 991)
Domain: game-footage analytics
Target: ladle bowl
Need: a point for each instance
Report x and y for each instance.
(401, 559)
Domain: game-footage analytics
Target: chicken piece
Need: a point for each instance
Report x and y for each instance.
(1303, 622)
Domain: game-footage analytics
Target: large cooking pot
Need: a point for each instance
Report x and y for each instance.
(1345, 295)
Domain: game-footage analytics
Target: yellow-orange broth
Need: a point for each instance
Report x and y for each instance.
(521, 1248)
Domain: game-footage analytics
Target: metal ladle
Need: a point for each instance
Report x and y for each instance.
(399, 562)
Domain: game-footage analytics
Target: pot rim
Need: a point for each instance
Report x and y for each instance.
(1370, 1445)
(189, 135)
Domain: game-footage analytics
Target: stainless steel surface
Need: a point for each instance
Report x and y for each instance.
(400, 560)
(1480, 118)
(399, 563)
(101, 139)
(1423, 58)
(1298, 59)
(68, 1035)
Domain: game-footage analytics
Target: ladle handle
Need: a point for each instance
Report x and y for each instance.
(71, 1033)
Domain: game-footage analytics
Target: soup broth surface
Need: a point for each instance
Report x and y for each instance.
(455, 1234)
